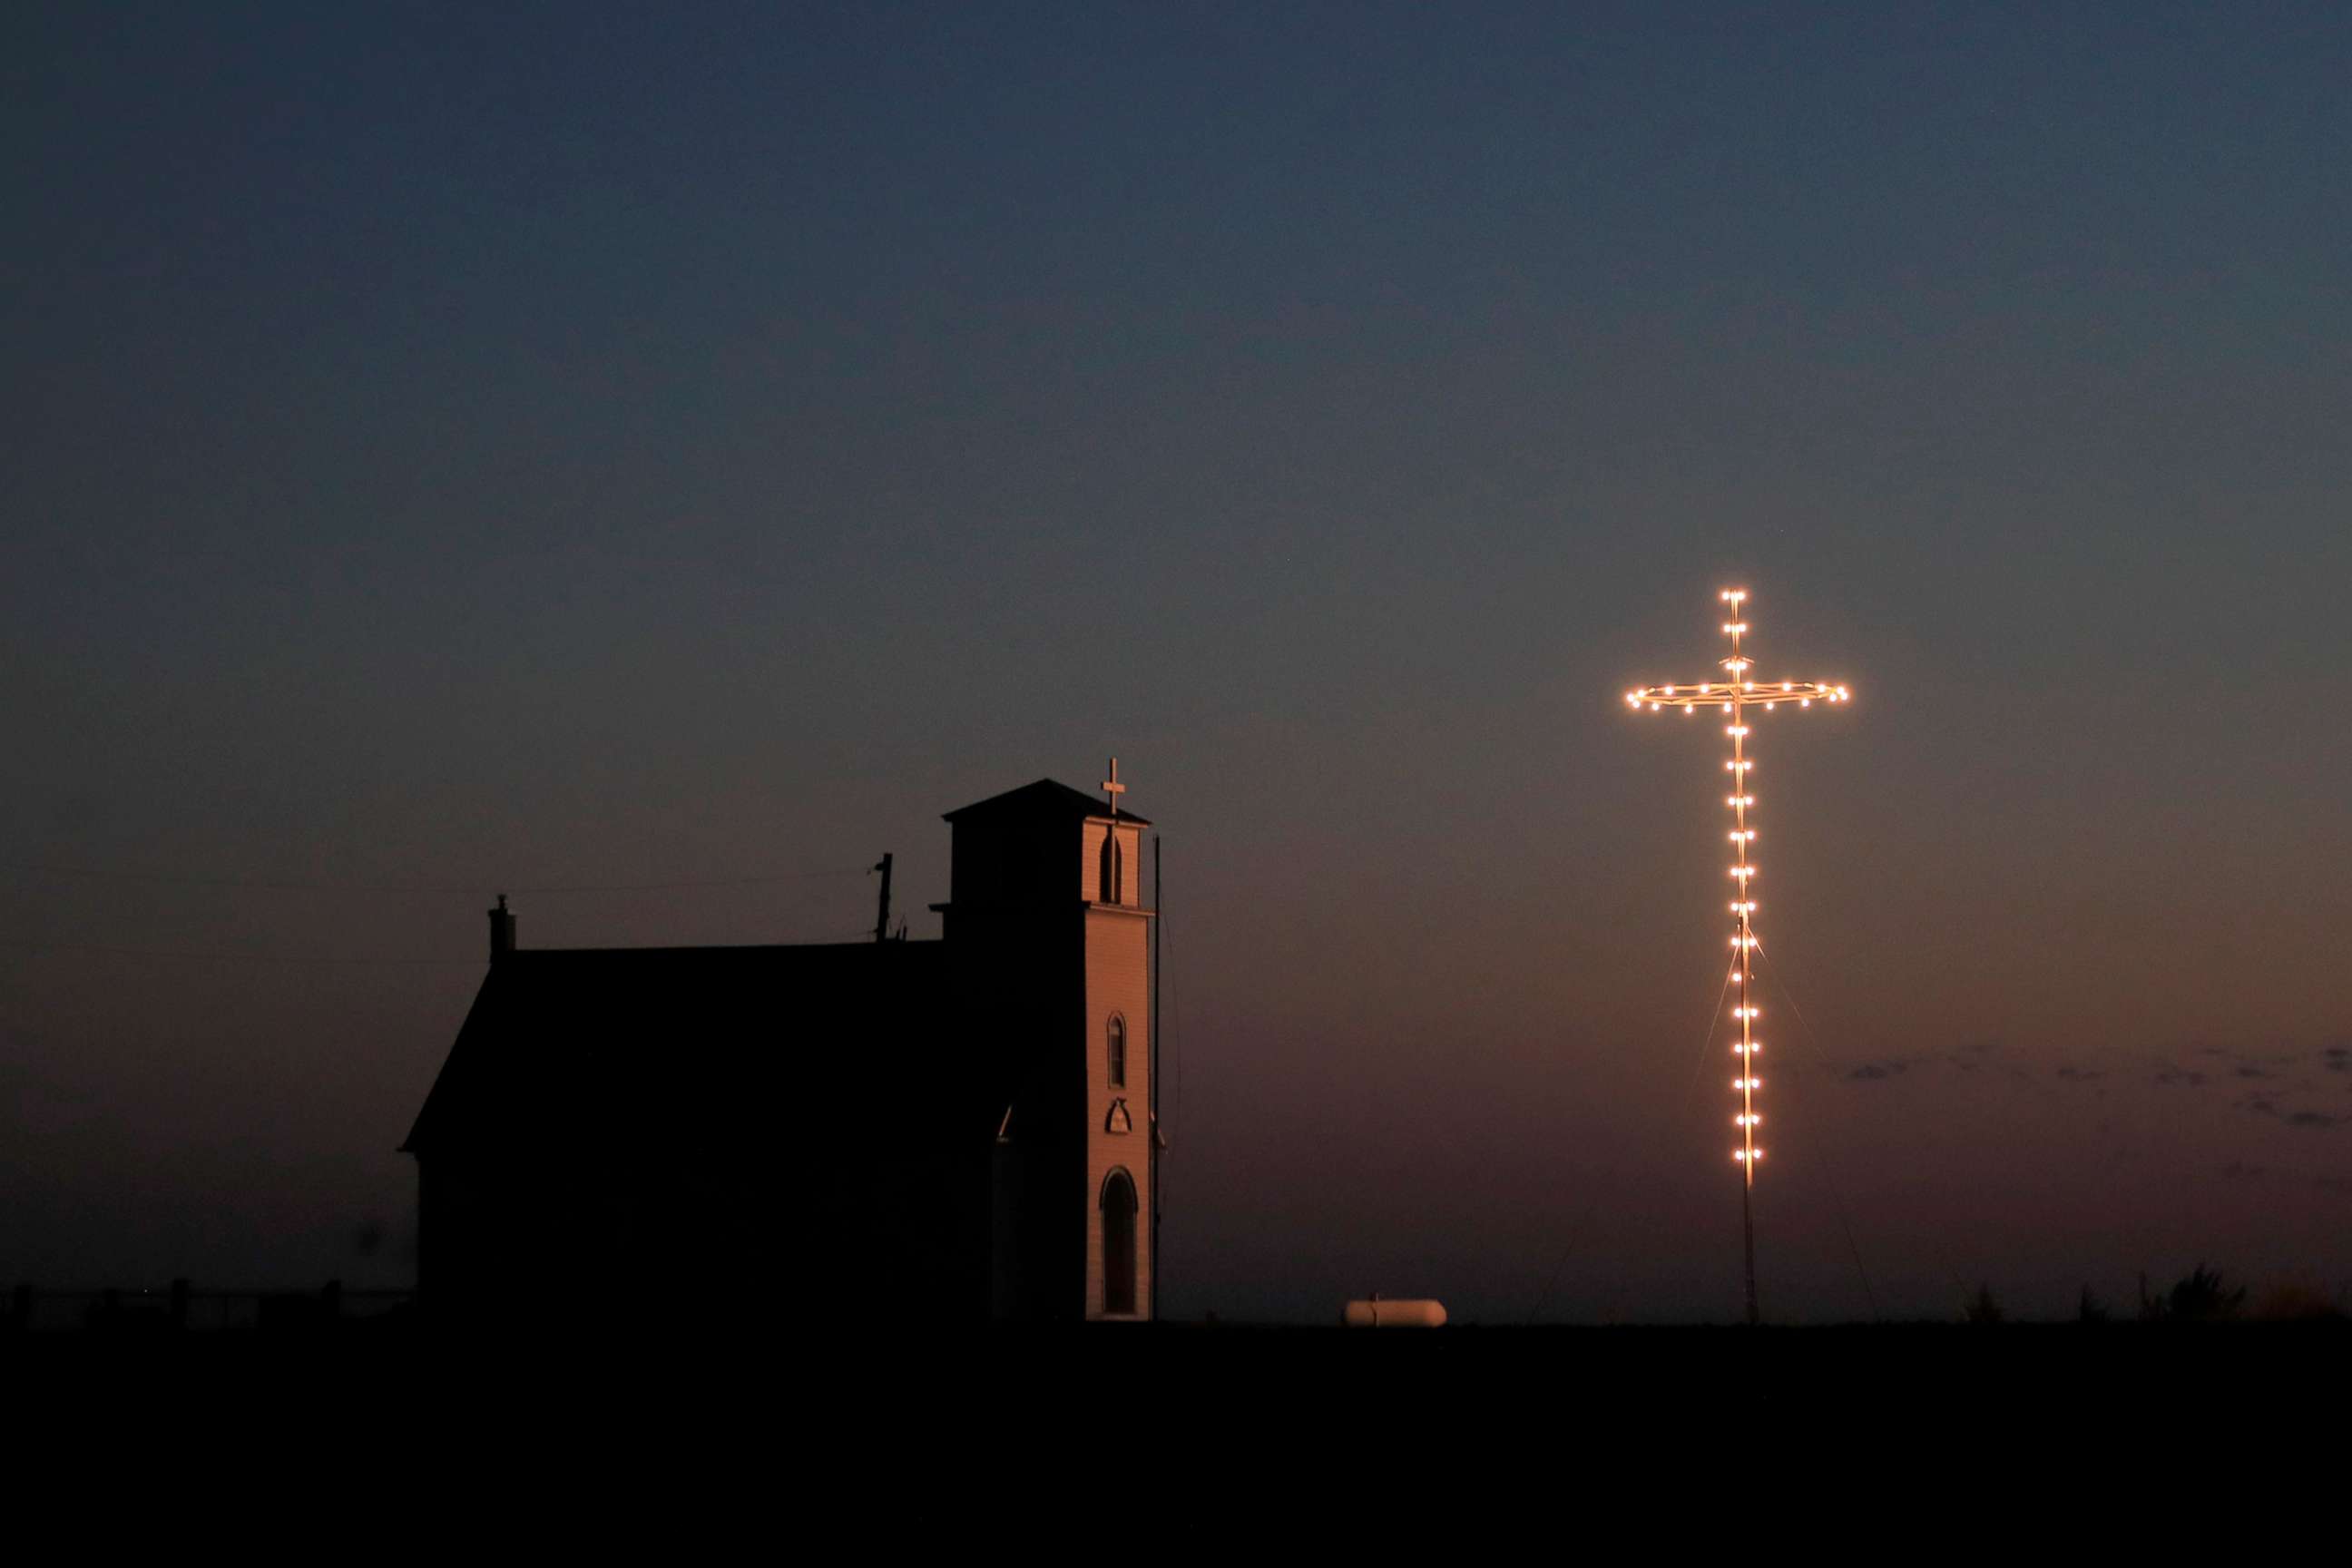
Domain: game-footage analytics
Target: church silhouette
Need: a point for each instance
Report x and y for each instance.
(888, 1130)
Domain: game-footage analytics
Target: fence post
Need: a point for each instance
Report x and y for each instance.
(20, 1307)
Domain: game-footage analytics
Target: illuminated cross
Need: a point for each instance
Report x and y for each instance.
(1113, 789)
(1737, 696)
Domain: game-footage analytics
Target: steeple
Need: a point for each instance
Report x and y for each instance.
(1057, 960)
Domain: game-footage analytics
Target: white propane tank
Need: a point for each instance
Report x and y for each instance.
(1377, 1313)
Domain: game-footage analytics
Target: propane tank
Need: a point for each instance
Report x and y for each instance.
(1377, 1313)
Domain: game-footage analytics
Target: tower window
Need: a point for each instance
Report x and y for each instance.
(1115, 1041)
(1111, 870)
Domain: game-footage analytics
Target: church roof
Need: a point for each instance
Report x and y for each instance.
(1045, 798)
(599, 1043)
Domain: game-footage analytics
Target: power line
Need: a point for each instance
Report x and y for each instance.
(30, 947)
(23, 944)
(76, 873)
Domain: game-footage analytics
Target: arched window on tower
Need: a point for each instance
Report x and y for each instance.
(1111, 870)
(1115, 1041)
(1118, 1208)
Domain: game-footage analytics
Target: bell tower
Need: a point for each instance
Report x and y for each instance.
(1049, 943)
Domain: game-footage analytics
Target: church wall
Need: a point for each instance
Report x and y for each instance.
(1118, 979)
(490, 1237)
(997, 864)
(1020, 997)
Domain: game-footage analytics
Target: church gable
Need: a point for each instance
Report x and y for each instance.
(1045, 798)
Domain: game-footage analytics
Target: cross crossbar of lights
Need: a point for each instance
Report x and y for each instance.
(1736, 695)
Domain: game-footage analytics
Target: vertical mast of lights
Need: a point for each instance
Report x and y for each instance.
(1736, 695)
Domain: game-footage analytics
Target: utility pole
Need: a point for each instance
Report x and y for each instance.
(1159, 902)
(882, 917)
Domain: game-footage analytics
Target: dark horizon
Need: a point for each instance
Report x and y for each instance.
(652, 466)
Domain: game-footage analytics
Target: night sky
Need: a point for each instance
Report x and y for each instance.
(454, 449)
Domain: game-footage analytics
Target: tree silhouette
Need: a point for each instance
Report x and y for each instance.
(2201, 1296)
(1981, 1307)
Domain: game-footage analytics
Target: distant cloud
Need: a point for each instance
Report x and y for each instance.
(2276, 1083)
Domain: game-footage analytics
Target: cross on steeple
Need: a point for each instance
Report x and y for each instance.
(1112, 788)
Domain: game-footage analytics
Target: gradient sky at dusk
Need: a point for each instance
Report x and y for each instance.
(452, 448)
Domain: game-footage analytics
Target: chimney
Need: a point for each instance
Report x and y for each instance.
(502, 924)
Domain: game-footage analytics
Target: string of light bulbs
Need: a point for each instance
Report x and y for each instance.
(1736, 696)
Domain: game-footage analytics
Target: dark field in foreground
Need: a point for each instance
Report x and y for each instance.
(1228, 1366)
(1379, 1438)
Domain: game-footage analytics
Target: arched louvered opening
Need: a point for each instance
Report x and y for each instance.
(1110, 870)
